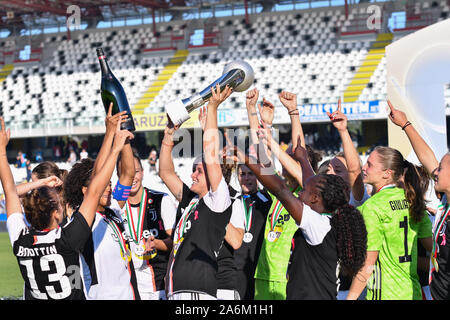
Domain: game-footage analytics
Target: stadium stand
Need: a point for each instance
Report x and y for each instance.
(317, 53)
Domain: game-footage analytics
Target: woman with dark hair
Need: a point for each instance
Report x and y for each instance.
(148, 217)
(203, 213)
(395, 219)
(331, 234)
(47, 253)
(108, 271)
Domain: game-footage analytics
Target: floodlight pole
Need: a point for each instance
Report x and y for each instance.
(246, 11)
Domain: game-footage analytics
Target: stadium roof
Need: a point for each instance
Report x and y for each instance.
(23, 14)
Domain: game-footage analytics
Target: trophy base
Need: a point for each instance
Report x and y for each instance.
(177, 112)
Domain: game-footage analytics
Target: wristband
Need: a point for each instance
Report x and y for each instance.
(292, 112)
(121, 192)
(406, 124)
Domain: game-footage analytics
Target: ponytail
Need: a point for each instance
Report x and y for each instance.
(351, 239)
(414, 192)
(351, 233)
(39, 206)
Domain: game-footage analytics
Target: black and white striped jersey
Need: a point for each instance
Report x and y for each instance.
(49, 259)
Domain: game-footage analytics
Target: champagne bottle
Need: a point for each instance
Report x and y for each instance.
(112, 91)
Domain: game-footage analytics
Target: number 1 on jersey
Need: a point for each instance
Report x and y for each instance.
(406, 257)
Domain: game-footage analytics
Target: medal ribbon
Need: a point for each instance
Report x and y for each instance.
(140, 223)
(275, 214)
(116, 229)
(388, 186)
(182, 224)
(439, 228)
(248, 213)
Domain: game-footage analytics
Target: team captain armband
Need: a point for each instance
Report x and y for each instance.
(121, 192)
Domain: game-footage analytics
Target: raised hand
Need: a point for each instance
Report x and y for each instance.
(251, 97)
(120, 137)
(338, 119)
(170, 128)
(300, 153)
(52, 182)
(396, 116)
(266, 111)
(289, 100)
(219, 96)
(202, 117)
(5, 135)
(111, 120)
(263, 135)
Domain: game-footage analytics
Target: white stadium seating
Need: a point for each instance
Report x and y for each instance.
(298, 51)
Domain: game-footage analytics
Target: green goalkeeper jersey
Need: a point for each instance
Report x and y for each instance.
(276, 248)
(392, 233)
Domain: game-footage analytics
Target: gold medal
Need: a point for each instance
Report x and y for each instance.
(126, 255)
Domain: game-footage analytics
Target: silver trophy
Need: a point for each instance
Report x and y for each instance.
(238, 75)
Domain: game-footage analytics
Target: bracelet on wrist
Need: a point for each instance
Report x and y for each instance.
(406, 124)
(293, 112)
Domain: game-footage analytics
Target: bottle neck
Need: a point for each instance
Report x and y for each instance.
(103, 65)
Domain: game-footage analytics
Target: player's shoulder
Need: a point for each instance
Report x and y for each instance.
(156, 192)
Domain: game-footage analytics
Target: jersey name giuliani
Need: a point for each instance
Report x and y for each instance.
(35, 252)
(399, 204)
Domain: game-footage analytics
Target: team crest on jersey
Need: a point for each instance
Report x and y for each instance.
(153, 215)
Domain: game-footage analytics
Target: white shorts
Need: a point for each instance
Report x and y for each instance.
(190, 295)
(227, 294)
(158, 295)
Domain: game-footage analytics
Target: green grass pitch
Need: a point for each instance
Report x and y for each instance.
(11, 282)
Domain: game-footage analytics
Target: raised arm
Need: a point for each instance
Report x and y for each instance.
(423, 151)
(292, 166)
(250, 103)
(51, 182)
(111, 125)
(275, 185)
(339, 121)
(166, 168)
(289, 100)
(266, 112)
(127, 169)
(9, 187)
(301, 155)
(103, 176)
(211, 137)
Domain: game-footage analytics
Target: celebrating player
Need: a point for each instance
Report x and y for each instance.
(331, 233)
(149, 218)
(48, 254)
(203, 213)
(395, 220)
(439, 274)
